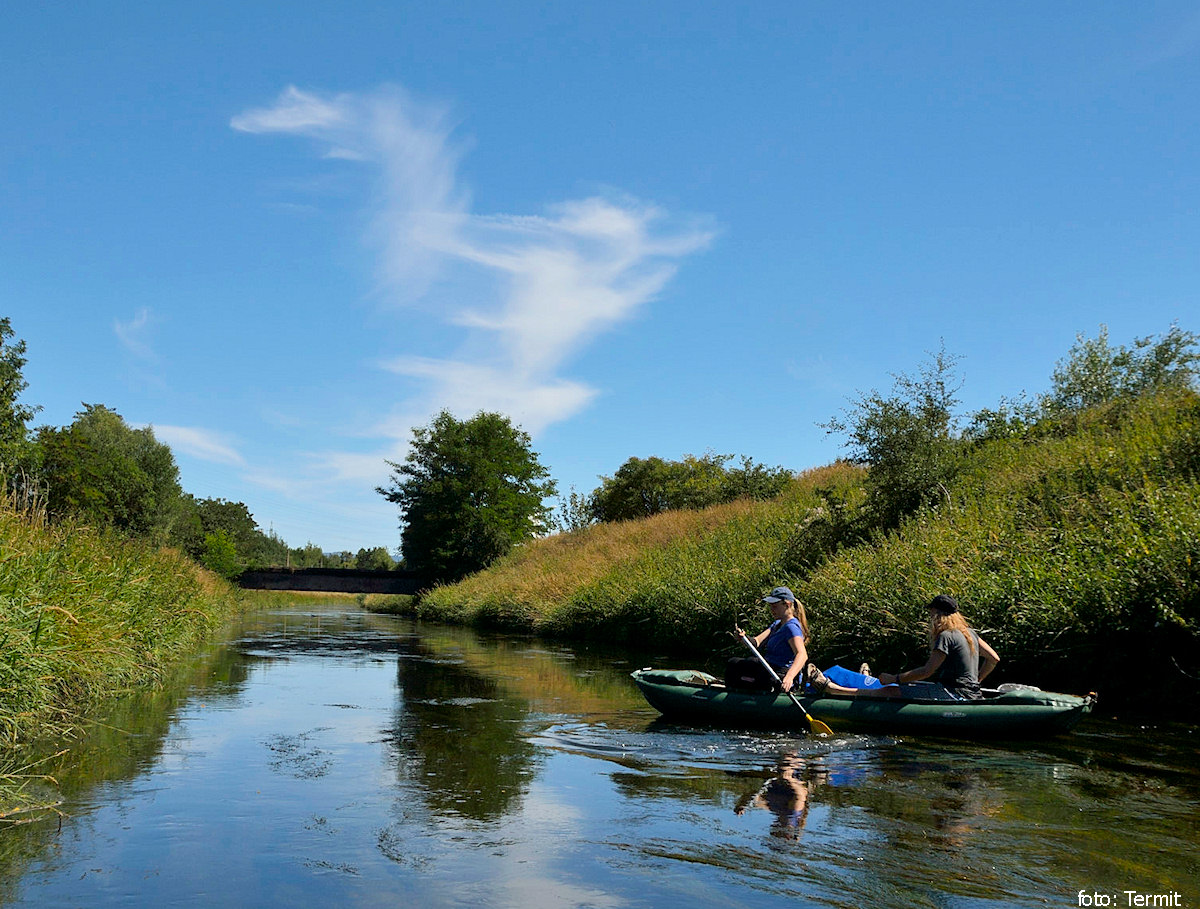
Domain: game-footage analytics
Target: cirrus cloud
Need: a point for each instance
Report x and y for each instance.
(555, 280)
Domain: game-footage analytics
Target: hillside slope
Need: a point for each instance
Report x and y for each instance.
(1075, 549)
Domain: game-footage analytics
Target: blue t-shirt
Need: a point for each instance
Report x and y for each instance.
(777, 648)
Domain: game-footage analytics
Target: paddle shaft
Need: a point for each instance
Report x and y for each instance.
(814, 725)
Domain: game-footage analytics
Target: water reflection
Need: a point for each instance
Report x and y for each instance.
(335, 757)
(459, 737)
(785, 795)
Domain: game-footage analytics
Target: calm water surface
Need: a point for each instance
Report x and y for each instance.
(326, 757)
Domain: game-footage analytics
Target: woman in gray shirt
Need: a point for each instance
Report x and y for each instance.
(959, 659)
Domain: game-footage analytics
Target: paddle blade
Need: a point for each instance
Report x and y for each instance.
(816, 726)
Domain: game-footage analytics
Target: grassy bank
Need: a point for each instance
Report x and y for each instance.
(86, 615)
(1076, 549)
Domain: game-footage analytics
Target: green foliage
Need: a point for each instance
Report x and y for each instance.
(308, 556)
(908, 439)
(14, 417)
(468, 492)
(642, 487)
(575, 512)
(221, 555)
(1069, 555)
(1095, 373)
(678, 579)
(232, 522)
(377, 559)
(86, 614)
(101, 471)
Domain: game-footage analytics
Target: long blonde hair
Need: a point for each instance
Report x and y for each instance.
(801, 617)
(939, 622)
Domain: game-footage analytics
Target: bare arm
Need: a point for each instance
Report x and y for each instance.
(932, 665)
(757, 639)
(989, 659)
(801, 657)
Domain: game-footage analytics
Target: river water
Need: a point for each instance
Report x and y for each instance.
(328, 757)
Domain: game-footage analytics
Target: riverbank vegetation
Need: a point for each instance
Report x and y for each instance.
(88, 613)
(1069, 527)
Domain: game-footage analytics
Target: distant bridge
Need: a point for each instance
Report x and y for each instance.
(331, 580)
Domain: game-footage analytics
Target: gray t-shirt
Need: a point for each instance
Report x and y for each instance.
(960, 670)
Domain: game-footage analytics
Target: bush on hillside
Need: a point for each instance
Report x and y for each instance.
(908, 439)
(643, 487)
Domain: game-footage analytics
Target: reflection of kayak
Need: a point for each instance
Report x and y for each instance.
(1015, 711)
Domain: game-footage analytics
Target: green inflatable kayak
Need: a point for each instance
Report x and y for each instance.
(1015, 711)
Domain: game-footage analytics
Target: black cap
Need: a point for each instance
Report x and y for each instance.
(946, 605)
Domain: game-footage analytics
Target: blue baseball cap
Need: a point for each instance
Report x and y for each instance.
(780, 593)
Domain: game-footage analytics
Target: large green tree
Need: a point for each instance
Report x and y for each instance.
(468, 491)
(102, 471)
(233, 523)
(375, 559)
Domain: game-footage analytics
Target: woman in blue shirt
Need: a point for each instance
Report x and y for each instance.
(781, 643)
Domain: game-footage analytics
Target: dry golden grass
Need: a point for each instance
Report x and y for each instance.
(538, 579)
(546, 571)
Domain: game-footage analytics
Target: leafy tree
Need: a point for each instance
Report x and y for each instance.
(468, 491)
(101, 470)
(377, 559)
(642, 487)
(1096, 373)
(908, 439)
(234, 520)
(221, 555)
(14, 417)
(309, 556)
(1012, 418)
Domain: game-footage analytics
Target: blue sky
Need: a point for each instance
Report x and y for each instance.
(285, 235)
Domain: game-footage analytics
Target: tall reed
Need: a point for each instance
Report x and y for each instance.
(85, 615)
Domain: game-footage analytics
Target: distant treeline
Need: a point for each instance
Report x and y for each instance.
(102, 473)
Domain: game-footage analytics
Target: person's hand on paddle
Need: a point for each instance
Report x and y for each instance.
(788, 682)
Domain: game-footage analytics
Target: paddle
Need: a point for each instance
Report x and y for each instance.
(814, 725)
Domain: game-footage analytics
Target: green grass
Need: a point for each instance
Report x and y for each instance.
(1075, 550)
(85, 616)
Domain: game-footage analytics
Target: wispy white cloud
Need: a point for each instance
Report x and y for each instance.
(203, 444)
(552, 281)
(534, 401)
(134, 335)
(419, 201)
(295, 111)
